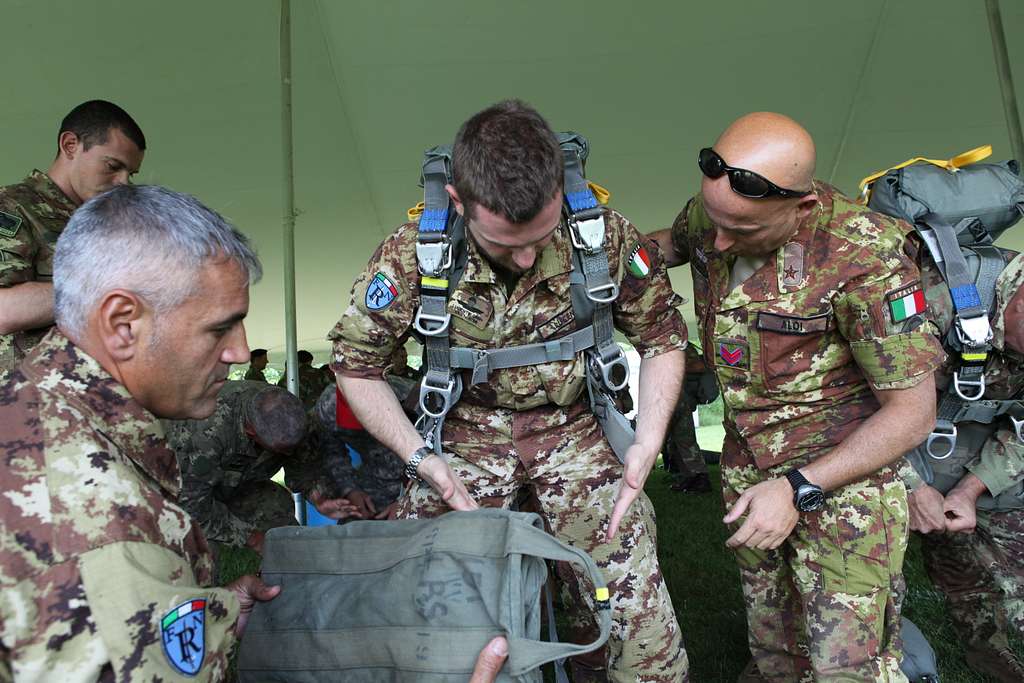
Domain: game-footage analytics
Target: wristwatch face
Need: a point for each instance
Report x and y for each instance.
(809, 498)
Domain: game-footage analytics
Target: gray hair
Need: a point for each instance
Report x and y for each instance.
(146, 239)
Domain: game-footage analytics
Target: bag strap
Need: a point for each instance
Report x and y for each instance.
(971, 156)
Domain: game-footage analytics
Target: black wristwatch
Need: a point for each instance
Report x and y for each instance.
(807, 497)
(412, 468)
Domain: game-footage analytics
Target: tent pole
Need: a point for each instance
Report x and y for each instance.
(995, 25)
(288, 196)
(288, 201)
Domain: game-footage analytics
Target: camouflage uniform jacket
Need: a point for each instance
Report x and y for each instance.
(311, 383)
(217, 458)
(999, 460)
(94, 551)
(485, 316)
(32, 215)
(800, 344)
(254, 375)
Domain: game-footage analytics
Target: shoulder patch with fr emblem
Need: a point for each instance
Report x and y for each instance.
(9, 224)
(182, 632)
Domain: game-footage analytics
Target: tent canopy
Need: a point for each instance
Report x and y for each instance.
(378, 81)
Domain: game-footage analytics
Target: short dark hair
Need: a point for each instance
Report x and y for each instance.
(256, 353)
(305, 356)
(91, 121)
(277, 418)
(506, 158)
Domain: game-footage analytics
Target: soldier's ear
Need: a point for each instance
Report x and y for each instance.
(459, 208)
(69, 145)
(121, 322)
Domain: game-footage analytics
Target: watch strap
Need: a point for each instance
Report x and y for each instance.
(412, 468)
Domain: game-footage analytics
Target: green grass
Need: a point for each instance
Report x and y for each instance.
(705, 588)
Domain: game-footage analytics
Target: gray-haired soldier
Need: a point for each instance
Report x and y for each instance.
(103, 576)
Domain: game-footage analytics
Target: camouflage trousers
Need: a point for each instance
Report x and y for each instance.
(258, 506)
(982, 576)
(680, 452)
(563, 459)
(825, 605)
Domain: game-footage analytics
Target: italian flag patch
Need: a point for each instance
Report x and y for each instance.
(639, 262)
(906, 302)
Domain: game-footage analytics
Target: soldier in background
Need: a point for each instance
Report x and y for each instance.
(99, 146)
(681, 453)
(257, 363)
(311, 380)
(227, 461)
(969, 507)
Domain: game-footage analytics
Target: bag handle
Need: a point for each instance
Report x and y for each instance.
(525, 654)
(967, 158)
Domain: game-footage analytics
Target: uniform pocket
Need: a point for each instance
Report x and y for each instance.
(789, 345)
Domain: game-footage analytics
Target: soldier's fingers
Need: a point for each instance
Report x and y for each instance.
(627, 494)
(742, 535)
(490, 661)
(737, 509)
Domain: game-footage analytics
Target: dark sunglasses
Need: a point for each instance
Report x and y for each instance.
(742, 181)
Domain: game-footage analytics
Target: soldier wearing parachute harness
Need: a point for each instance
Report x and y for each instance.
(966, 481)
(514, 277)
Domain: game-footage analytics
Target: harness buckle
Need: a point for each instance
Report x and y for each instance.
(617, 364)
(586, 229)
(976, 331)
(430, 325)
(940, 434)
(979, 384)
(443, 394)
(593, 293)
(433, 257)
(1018, 427)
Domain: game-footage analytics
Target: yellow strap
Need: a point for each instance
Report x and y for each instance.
(600, 194)
(435, 282)
(974, 356)
(959, 161)
(414, 212)
(601, 594)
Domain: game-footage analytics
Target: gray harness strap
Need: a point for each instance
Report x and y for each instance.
(439, 252)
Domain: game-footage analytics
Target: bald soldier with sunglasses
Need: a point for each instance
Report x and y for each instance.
(826, 382)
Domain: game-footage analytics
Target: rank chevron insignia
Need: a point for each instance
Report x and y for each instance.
(732, 354)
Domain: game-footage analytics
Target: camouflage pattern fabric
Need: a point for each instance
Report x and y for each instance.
(219, 462)
(381, 475)
(982, 573)
(562, 457)
(825, 606)
(497, 425)
(33, 213)
(311, 384)
(254, 375)
(798, 348)
(94, 550)
(982, 576)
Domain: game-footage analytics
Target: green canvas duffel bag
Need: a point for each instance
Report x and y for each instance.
(408, 600)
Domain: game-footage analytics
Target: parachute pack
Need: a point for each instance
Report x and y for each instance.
(959, 207)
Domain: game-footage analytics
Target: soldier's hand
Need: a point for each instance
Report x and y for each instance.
(771, 515)
(390, 512)
(436, 472)
(364, 504)
(250, 589)
(639, 461)
(490, 661)
(333, 508)
(960, 514)
(926, 510)
(255, 541)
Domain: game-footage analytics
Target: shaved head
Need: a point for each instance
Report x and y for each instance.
(782, 151)
(773, 145)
